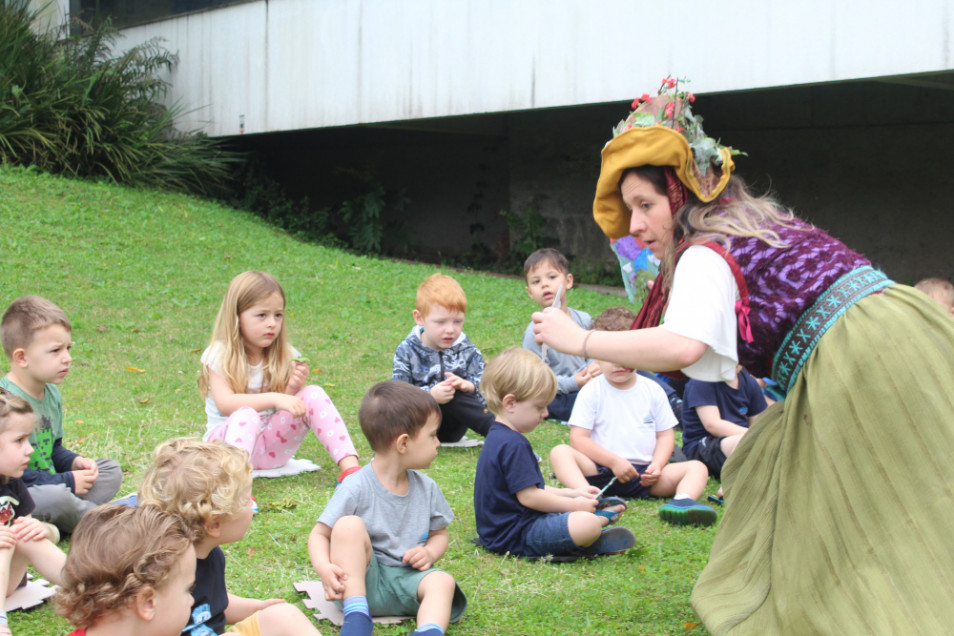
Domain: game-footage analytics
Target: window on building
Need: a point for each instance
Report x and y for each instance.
(131, 12)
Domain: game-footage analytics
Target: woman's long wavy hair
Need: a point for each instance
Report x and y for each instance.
(735, 212)
(244, 291)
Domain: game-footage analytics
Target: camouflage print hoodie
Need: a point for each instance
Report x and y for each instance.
(418, 364)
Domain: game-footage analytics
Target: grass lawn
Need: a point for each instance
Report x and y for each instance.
(141, 275)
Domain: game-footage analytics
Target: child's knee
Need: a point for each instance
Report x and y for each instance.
(313, 392)
(349, 529)
(244, 414)
(109, 481)
(436, 582)
(584, 527)
(696, 468)
(53, 497)
(561, 451)
(281, 618)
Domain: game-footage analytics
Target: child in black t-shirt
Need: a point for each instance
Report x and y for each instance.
(23, 539)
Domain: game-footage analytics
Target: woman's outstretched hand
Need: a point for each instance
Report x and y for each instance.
(555, 329)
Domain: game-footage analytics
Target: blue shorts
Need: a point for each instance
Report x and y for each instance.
(550, 534)
(632, 489)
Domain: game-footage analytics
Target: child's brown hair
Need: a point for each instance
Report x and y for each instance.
(197, 481)
(116, 553)
(546, 255)
(390, 409)
(24, 317)
(11, 404)
(614, 319)
(440, 290)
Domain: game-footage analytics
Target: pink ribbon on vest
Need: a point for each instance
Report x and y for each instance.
(745, 327)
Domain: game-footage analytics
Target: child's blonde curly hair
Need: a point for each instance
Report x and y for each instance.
(518, 372)
(197, 481)
(116, 553)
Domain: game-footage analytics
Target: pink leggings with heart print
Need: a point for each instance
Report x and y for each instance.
(272, 440)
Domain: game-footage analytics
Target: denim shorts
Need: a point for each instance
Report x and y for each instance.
(550, 534)
(632, 489)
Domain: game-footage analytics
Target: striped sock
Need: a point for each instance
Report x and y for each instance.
(357, 617)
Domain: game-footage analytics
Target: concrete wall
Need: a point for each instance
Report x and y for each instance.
(299, 64)
(864, 160)
(474, 106)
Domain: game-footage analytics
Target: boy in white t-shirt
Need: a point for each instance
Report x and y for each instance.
(621, 411)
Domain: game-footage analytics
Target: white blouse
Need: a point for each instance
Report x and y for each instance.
(702, 307)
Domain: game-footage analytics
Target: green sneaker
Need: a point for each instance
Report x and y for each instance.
(686, 512)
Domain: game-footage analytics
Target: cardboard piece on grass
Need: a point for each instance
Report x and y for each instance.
(293, 467)
(326, 610)
(30, 595)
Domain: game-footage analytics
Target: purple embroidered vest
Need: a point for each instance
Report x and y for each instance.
(783, 283)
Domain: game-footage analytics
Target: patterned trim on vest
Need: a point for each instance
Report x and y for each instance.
(812, 325)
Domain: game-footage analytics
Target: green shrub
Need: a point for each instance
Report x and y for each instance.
(68, 106)
(355, 219)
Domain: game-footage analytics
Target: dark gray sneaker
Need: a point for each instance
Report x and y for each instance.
(611, 541)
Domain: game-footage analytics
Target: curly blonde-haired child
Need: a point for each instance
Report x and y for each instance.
(209, 486)
(253, 382)
(129, 571)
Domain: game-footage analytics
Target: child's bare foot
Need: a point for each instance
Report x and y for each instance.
(610, 508)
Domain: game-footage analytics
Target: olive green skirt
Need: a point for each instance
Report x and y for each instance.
(840, 501)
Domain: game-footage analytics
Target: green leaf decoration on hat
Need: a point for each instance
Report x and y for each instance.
(671, 108)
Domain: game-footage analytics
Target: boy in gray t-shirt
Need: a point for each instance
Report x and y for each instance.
(548, 272)
(397, 512)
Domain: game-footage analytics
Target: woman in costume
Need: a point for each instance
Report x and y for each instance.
(839, 507)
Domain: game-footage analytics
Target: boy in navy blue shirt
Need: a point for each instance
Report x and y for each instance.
(517, 513)
(716, 415)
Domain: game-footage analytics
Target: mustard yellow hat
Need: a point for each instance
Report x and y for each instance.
(661, 131)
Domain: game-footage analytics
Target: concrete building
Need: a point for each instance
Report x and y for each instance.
(844, 107)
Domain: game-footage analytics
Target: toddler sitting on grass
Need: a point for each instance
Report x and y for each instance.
(438, 357)
(376, 542)
(621, 438)
(209, 486)
(517, 513)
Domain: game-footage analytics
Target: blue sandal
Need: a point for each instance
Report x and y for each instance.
(609, 502)
(606, 502)
(612, 516)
